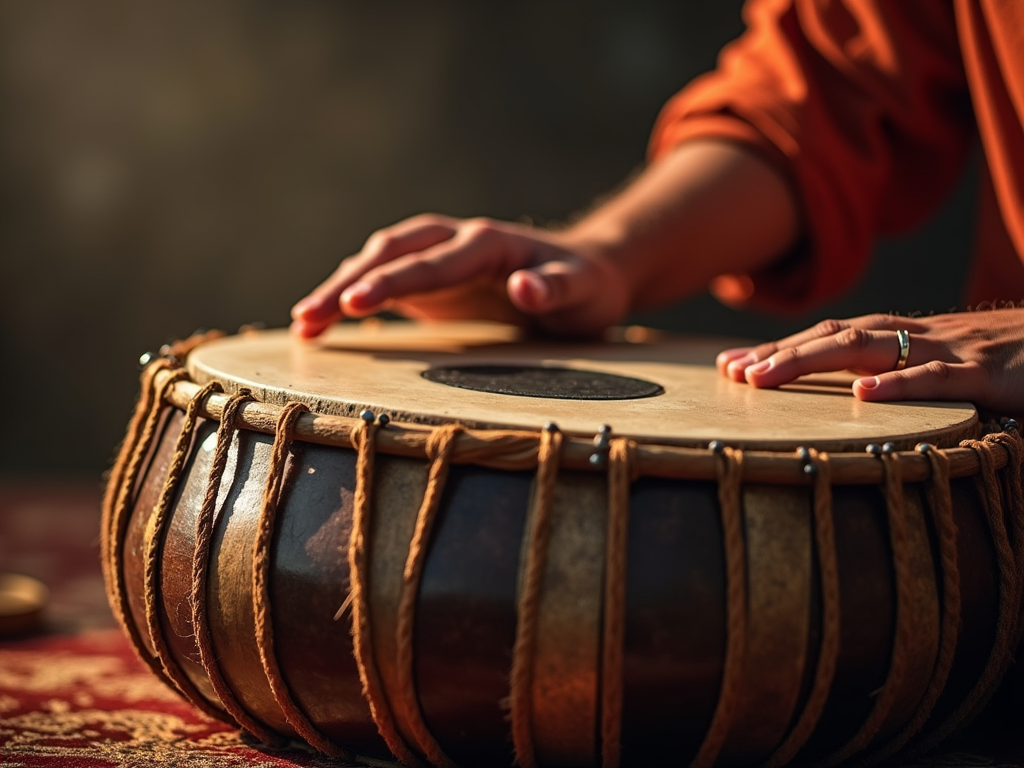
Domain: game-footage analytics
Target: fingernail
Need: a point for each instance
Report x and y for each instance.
(869, 382)
(757, 368)
(740, 363)
(301, 307)
(727, 356)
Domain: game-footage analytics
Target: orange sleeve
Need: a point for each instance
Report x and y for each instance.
(862, 103)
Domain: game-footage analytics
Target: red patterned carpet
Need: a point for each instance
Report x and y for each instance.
(72, 694)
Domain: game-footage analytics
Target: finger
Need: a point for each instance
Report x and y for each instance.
(322, 305)
(727, 356)
(476, 249)
(736, 368)
(553, 285)
(935, 380)
(851, 349)
(307, 330)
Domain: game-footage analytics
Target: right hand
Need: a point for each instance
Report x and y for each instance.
(436, 267)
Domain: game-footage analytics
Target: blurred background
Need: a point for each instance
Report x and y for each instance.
(169, 166)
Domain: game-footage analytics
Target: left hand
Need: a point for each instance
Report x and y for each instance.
(976, 356)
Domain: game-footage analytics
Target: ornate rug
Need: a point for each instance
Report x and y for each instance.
(73, 695)
(86, 701)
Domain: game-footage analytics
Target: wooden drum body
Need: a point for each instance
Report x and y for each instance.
(467, 585)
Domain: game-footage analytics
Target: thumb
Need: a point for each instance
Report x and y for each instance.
(552, 286)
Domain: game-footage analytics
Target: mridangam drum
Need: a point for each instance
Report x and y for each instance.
(448, 544)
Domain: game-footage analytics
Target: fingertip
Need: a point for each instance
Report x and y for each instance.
(725, 357)
(736, 373)
(358, 299)
(754, 374)
(528, 291)
(867, 388)
(301, 310)
(305, 330)
(736, 369)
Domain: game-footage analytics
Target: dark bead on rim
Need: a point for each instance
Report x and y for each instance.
(925, 447)
(368, 416)
(888, 448)
(602, 443)
(1010, 425)
(804, 454)
(383, 419)
(146, 358)
(874, 449)
(716, 446)
(551, 427)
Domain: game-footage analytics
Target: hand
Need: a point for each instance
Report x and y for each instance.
(432, 266)
(975, 356)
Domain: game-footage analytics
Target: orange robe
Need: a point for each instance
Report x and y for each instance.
(870, 107)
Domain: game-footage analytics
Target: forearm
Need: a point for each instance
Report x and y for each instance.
(709, 208)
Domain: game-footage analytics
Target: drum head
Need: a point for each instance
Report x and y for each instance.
(656, 388)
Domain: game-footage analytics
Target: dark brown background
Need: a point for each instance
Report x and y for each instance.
(170, 166)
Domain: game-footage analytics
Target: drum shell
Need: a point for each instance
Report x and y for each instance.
(466, 610)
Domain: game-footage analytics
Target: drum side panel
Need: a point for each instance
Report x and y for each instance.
(398, 488)
(867, 614)
(565, 673)
(979, 595)
(176, 561)
(309, 583)
(675, 620)
(466, 614)
(777, 527)
(229, 592)
(922, 615)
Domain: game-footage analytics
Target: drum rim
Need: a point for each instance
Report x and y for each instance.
(516, 449)
(278, 369)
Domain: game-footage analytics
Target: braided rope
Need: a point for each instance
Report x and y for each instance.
(941, 505)
(150, 407)
(440, 448)
(828, 568)
(261, 558)
(153, 550)
(516, 449)
(200, 573)
(362, 628)
(537, 536)
(1010, 590)
(1012, 443)
(115, 480)
(124, 473)
(903, 637)
(730, 501)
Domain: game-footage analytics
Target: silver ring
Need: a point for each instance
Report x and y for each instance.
(903, 337)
